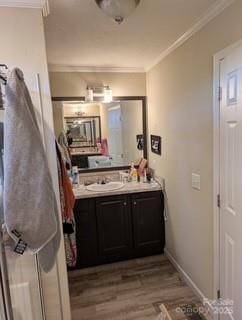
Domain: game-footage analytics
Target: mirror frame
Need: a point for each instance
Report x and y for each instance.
(143, 99)
(88, 117)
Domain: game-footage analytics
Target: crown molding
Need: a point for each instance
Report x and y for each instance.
(218, 7)
(67, 68)
(32, 4)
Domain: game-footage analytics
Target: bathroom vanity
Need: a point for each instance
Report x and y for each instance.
(104, 139)
(119, 225)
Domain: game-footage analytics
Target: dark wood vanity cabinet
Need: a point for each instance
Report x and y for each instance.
(148, 223)
(86, 233)
(116, 228)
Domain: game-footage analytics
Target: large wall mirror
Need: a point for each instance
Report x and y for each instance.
(102, 135)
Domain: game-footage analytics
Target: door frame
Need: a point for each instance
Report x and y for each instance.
(218, 57)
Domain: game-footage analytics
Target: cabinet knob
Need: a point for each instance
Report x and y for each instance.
(135, 203)
(125, 203)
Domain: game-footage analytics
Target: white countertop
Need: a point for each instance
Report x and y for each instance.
(130, 187)
(84, 153)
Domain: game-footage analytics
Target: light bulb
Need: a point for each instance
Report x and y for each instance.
(108, 95)
(89, 94)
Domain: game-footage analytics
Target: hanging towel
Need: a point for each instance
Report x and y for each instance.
(1, 97)
(65, 185)
(1, 175)
(30, 207)
(67, 199)
(104, 147)
(63, 141)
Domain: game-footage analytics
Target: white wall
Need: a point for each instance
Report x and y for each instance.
(73, 84)
(180, 109)
(58, 115)
(23, 45)
(89, 109)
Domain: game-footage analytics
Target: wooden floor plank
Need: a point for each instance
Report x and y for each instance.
(128, 290)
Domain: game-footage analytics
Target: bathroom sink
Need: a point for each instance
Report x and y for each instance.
(110, 186)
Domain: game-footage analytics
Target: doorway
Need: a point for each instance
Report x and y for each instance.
(228, 181)
(115, 134)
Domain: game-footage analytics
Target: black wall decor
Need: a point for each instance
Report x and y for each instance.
(155, 144)
(140, 141)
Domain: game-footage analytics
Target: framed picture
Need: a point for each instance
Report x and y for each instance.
(140, 141)
(155, 144)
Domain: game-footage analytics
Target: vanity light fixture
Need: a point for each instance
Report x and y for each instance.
(89, 94)
(108, 95)
(99, 92)
(80, 113)
(118, 9)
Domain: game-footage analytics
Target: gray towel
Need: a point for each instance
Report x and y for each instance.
(30, 208)
(1, 98)
(1, 175)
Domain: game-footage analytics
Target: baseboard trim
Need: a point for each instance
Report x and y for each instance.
(190, 283)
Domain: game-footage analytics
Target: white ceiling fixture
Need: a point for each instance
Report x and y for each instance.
(118, 9)
(32, 4)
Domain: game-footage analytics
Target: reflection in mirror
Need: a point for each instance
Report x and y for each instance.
(101, 135)
(82, 131)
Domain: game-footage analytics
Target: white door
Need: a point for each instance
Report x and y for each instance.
(115, 135)
(231, 183)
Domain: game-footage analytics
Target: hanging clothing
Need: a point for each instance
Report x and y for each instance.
(30, 207)
(67, 199)
(104, 147)
(63, 141)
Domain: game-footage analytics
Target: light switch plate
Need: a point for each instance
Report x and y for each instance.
(196, 181)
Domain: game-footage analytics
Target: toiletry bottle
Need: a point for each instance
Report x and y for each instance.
(138, 176)
(75, 176)
(145, 176)
(148, 175)
(133, 173)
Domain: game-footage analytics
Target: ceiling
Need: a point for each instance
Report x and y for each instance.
(79, 34)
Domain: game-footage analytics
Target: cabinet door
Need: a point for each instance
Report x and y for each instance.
(86, 233)
(114, 228)
(148, 222)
